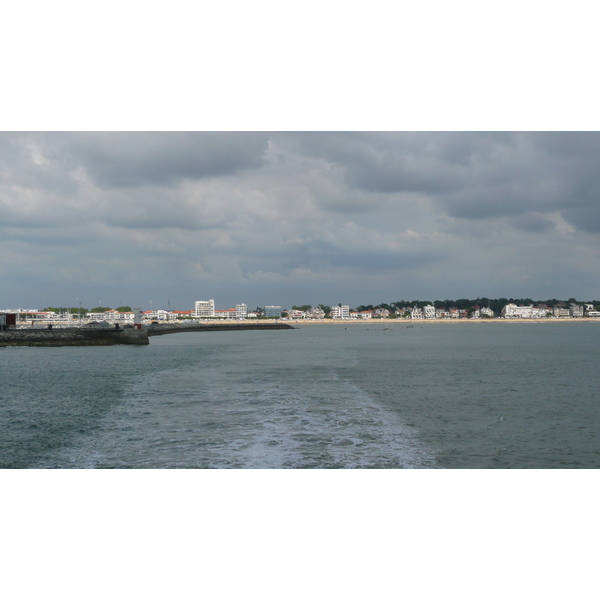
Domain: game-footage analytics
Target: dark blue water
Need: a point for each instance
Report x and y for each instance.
(461, 395)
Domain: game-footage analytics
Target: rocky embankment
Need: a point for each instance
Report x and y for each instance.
(233, 326)
(110, 337)
(72, 337)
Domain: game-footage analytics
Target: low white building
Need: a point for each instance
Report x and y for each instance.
(561, 312)
(157, 315)
(512, 311)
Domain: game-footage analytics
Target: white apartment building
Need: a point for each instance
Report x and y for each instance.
(340, 312)
(561, 313)
(113, 315)
(241, 311)
(204, 309)
(512, 311)
(228, 313)
(576, 310)
(416, 313)
(156, 315)
(297, 314)
(429, 312)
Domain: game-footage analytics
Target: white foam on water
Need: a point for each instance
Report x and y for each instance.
(199, 419)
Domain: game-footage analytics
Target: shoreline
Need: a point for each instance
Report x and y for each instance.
(404, 322)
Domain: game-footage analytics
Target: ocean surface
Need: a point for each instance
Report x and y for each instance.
(472, 395)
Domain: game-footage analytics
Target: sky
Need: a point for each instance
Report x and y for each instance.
(159, 220)
(164, 219)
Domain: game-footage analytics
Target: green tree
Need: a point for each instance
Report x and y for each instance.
(124, 309)
(326, 310)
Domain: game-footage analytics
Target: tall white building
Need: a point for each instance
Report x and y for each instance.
(429, 312)
(416, 313)
(340, 312)
(241, 311)
(576, 310)
(204, 309)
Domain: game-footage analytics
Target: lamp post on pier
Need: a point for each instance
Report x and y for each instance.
(79, 312)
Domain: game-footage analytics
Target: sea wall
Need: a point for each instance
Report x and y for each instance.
(72, 337)
(221, 326)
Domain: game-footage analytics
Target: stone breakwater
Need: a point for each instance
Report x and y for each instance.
(111, 337)
(234, 326)
(72, 337)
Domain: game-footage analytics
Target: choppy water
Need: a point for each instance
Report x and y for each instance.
(434, 396)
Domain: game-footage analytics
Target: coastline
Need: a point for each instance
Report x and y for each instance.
(404, 322)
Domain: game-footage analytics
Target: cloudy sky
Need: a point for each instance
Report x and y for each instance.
(296, 218)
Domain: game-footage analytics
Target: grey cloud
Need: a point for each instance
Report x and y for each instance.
(357, 211)
(403, 161)
(134, 159)
(532, 222)
(586, 218)
(470, 175)
(27, 162)
(125, 159)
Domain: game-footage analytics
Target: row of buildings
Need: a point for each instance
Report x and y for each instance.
(205, 309)
(541, 311)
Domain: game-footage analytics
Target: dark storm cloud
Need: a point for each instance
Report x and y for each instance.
(401, 162)
(532, 222)
(122, 160)
(134, 159)
(434, 212)
(471, 175)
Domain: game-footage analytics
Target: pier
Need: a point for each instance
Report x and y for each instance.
(73, 337)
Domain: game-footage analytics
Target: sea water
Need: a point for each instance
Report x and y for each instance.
(377, 395)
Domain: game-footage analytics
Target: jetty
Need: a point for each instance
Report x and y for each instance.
(111, 337)
(72, 337)
(163, 329)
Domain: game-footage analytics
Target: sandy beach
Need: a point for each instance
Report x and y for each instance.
(404, 322)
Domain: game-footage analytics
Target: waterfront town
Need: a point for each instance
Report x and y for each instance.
(205, 310)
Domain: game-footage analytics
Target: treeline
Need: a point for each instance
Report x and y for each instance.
(496, 304)
(76, 310)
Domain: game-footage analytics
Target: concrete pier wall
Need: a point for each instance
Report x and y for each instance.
(232, 326)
